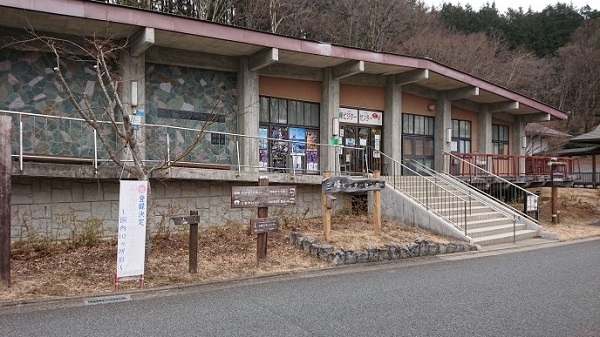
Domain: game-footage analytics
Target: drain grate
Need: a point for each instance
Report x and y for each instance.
(106, 299)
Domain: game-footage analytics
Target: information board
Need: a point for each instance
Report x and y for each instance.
(264, 225)
(262, 196)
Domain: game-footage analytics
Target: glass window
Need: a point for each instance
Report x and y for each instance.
(500, 136)
(406, 123)
(461, 136)
(417, 125)
(295, 113)
(314, 115)
(264, 110)
(284, 120)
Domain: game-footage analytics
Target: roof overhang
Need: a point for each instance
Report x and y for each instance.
(149, 29)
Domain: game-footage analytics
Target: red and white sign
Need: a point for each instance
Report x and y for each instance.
(370, 117)
(133, 203)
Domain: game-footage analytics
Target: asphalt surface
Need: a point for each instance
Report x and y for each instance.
(548, 291)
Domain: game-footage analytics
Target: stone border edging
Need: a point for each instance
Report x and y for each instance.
(392, 251)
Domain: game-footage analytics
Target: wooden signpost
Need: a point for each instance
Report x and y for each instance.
(326, 211)
(262, 196)
(193, 219)
(339, 184)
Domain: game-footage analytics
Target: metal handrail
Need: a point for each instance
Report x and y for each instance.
(477, 194)
(489, 174)
(97, 156)
(430, 186)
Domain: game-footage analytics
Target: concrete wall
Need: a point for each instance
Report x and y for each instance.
(402, 208)
(52, 208)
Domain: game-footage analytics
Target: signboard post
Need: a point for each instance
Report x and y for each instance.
(326, 211)
(262, 196)
(339, 184)
(261, 238)
(193, 219)
(132, 229)
(376, 208)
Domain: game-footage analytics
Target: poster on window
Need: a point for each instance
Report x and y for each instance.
(297, 161)
(262, 141)
(312, 151)
(312, 161)
(312, 139)
(279, 147)
(263, 149)
(298, 140)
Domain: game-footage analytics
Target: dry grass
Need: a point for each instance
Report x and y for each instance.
(579, 212)
(228, 252)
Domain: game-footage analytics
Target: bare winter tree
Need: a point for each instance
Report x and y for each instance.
(103, 108)
(371, 25)
(578, 64)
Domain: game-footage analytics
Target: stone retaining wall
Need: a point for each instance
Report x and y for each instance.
(53, 208)
(392, 251)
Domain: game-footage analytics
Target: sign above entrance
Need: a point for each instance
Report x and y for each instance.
(355, 116)
(348, 115)
(369, 117)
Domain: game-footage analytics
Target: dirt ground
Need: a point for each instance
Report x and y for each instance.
(64, 269)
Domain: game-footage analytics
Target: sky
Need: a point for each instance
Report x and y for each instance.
(503, 5)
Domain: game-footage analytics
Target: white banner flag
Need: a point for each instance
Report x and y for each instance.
(132, 227)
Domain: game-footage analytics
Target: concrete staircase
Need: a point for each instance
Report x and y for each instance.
(487, 222)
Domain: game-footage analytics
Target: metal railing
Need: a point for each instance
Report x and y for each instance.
(427, 192)
(586, 179)
(476, 194)
(496, 187)
(531, 171)
(49, 138)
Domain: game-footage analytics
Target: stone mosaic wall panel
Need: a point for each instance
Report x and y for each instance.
(28, 84)
(191, 98)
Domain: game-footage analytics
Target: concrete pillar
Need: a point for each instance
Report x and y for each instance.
(248, 115)
(392, 120)
(134, 78)
(443, 122)
(517, 136)
(330, 107)
(484, 131)
(518, 145)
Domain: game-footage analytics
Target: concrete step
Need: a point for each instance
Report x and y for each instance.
(483, 215)
(494, 230)
(505, 237)
(485, 226)
(489, 222)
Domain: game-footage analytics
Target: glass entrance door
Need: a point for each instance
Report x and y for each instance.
(357, 153)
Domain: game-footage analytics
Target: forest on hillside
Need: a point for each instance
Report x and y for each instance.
(552, 55)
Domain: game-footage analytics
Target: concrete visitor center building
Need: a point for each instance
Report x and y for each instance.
(287, 108)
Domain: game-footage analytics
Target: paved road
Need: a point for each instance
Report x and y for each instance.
(544, 292)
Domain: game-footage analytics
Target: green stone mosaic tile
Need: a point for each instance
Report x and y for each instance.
(28, 84)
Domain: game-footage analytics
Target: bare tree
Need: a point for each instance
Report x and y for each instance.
(103, 108)
(579, 65)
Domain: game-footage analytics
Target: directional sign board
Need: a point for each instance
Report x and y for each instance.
(262, 196)
(351, 185)
(264, 225)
